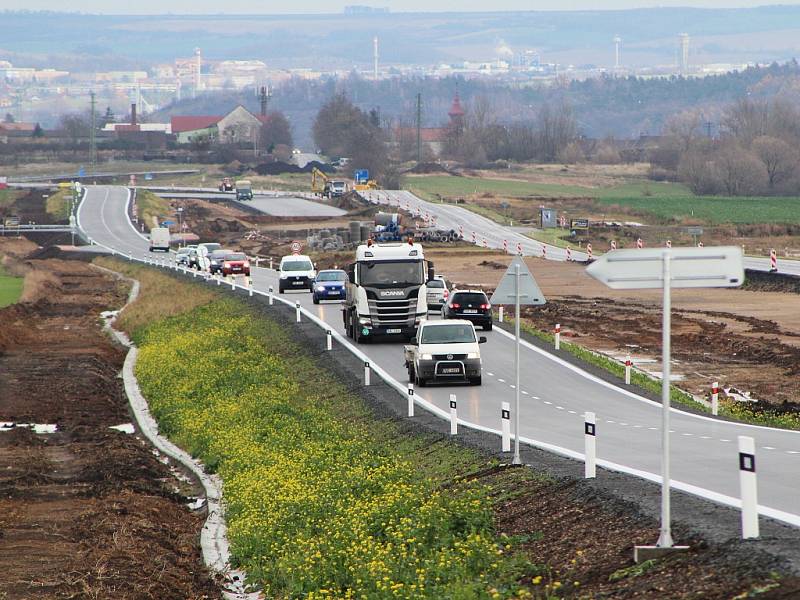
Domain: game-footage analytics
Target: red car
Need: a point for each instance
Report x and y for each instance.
(236, 264)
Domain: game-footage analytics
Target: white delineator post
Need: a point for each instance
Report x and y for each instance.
(505, 422)
(453, 415)
(500, 314)
(366, 373)
(628, 365)
(590, 446)
(233, 282)
(517, 319)
(557, 336)
(130, 255)
(250, 286)
(329, 340)
(715, 398)
(748, 485)
(297, 312)
(270, 263)
(270, 296)
(410, 399)
(665, 536)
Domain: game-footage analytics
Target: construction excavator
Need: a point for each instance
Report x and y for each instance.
(323, 185)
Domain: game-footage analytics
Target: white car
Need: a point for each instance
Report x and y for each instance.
(437, 293)
(296, 272)
(444, 351)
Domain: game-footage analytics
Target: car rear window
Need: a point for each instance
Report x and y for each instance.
(470, 298)
(436, 283)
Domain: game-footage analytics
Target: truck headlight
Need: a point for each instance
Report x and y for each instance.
(473, 355)
(426, 357)
(365, 320)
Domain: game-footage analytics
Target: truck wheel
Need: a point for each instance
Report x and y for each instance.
(475, 380)
(419, 381)
(280, 288)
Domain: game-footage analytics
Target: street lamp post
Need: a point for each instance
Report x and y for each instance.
(180, 226)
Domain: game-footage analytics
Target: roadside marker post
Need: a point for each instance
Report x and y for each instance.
(505, 246)
(773, 260)
(233, 282)
(250, 286)
(473, 237)
(569, 254)
(505, 421)
(544, 251)
(271, 299)
(667, 268)
(500, 315)
(748, 486)
(639, 243)
(519, 248)
(557, 336)
(328, 340)
(589, 252)
(590, 446)
(130, 256)
(453, 415)
(669, 243)
(270, 263)
(613, 244)
(715, 398)
(410, 399)
(518, 286)
(297, 312)
(366, 373)
(628, 365)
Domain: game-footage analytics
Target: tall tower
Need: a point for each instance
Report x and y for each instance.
(375, 58)
(683, 44)
(198, 64)
(617, 45)
(264, 94)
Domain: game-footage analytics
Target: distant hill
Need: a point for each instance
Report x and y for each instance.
(74, 41)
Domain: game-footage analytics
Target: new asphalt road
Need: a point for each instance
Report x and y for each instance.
(555, 396)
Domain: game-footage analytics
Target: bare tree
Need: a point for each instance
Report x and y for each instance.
(684, 127)
(778, 157)
(740, 172)
(747, 120)
(75, 127)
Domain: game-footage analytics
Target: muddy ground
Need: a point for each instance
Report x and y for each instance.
(87, 511)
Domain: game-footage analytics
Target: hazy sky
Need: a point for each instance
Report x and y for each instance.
(323, 6)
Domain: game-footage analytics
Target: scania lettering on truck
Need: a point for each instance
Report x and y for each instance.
(385, 291)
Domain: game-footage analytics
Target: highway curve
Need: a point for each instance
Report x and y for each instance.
(554, 397)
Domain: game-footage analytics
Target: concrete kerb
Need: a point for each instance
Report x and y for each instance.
(213, 537)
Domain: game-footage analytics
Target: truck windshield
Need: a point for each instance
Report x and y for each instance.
(448, 334)
(391, 274)
(297, 265)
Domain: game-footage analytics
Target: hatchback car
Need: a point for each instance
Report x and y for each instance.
(216, 259)
(472, 305)
(437, 293)
(329, 285)
(236, 263)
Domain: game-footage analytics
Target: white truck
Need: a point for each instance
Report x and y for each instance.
(159, 239)
(444, 351)
(385, 292)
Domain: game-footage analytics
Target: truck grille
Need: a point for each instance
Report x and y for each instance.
(393, 312)
(450, 357)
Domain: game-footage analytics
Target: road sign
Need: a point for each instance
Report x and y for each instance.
(579, 224)
(296, 247)
(667, 268)
(520, 288)
(529, 292)
(167, 223)
(694, 230)
(361, 176)
(690, 267)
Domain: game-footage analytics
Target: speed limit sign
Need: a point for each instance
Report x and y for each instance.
(296, 247)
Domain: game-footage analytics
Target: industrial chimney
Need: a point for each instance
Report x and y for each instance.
(133, 113)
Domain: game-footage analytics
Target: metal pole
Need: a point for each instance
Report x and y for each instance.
(665, 538)
(516, 460)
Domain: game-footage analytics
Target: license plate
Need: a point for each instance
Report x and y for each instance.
(471, 311)
(297, 283)
(333, 292)
(394, 331)
(451, 370)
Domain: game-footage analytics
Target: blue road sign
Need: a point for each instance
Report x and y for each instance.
(361, 176)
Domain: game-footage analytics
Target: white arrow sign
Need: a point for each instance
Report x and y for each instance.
(690, 267)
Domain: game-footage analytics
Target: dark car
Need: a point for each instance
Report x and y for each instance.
(193, 261)
(236, 263)
(216, 260)
(329, 285)
(472, 305)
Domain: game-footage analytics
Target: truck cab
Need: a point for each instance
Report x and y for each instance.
(335, 188)
(385, 291)
(244, 190)
(444, 351)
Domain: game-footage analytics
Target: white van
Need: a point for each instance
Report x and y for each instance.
(159, 239)
(297, 272)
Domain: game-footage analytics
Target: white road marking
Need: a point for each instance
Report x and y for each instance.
(501, 380)
(768, 447)
(547, 402)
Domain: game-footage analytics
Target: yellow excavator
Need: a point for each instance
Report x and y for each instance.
(319, 181)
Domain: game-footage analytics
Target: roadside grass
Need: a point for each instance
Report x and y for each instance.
(58, 204)
(150, 206)
(745, 413)
(323, 499)
(552, 237)
(7, 197)
(448, 186)
(10, 288)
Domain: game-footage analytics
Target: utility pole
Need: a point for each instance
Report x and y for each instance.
(92, 138)
(419, 126)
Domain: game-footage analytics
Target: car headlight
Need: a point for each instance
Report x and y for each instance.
(320, 288)
(283, 275)
(426, 357)
(473, 355)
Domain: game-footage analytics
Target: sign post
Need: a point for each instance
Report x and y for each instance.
(520, 288)
(667, 268)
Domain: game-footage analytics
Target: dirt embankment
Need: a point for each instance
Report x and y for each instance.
(87, 511)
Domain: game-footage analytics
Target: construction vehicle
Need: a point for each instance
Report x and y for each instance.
(324, 186)
(362, 182)
(226, 185)
(385, 291)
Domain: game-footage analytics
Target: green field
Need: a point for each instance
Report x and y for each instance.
(10, 288)
(664, 201)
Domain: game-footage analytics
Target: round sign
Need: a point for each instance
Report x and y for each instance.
(296, 247)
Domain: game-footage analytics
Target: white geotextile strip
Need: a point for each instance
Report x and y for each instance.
(213, 537)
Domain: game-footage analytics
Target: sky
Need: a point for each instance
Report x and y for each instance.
(328, 6)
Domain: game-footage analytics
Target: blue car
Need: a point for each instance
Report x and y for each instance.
(329, 285)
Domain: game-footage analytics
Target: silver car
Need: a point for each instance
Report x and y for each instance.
(437, 293)
(182, 254)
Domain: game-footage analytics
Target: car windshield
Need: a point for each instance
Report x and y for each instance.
(331, 276)
(448, 334)
(470, 298)
(436, 283)
(297, 265)
(236, 256)
(391, 274)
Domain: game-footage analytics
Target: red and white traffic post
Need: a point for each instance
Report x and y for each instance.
(589, 252)
(628, 365)
(500, 314)
(669, 243)
(715, 398)
(639, 243)
(613, 244)
(569, 254)
(474, 240)
(519, 248)
(485, 243)
(773, 260)
(544, 251)
(557, 336)
(505, 246)
(461, 231)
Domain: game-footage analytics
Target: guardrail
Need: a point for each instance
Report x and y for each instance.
(34, 227)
